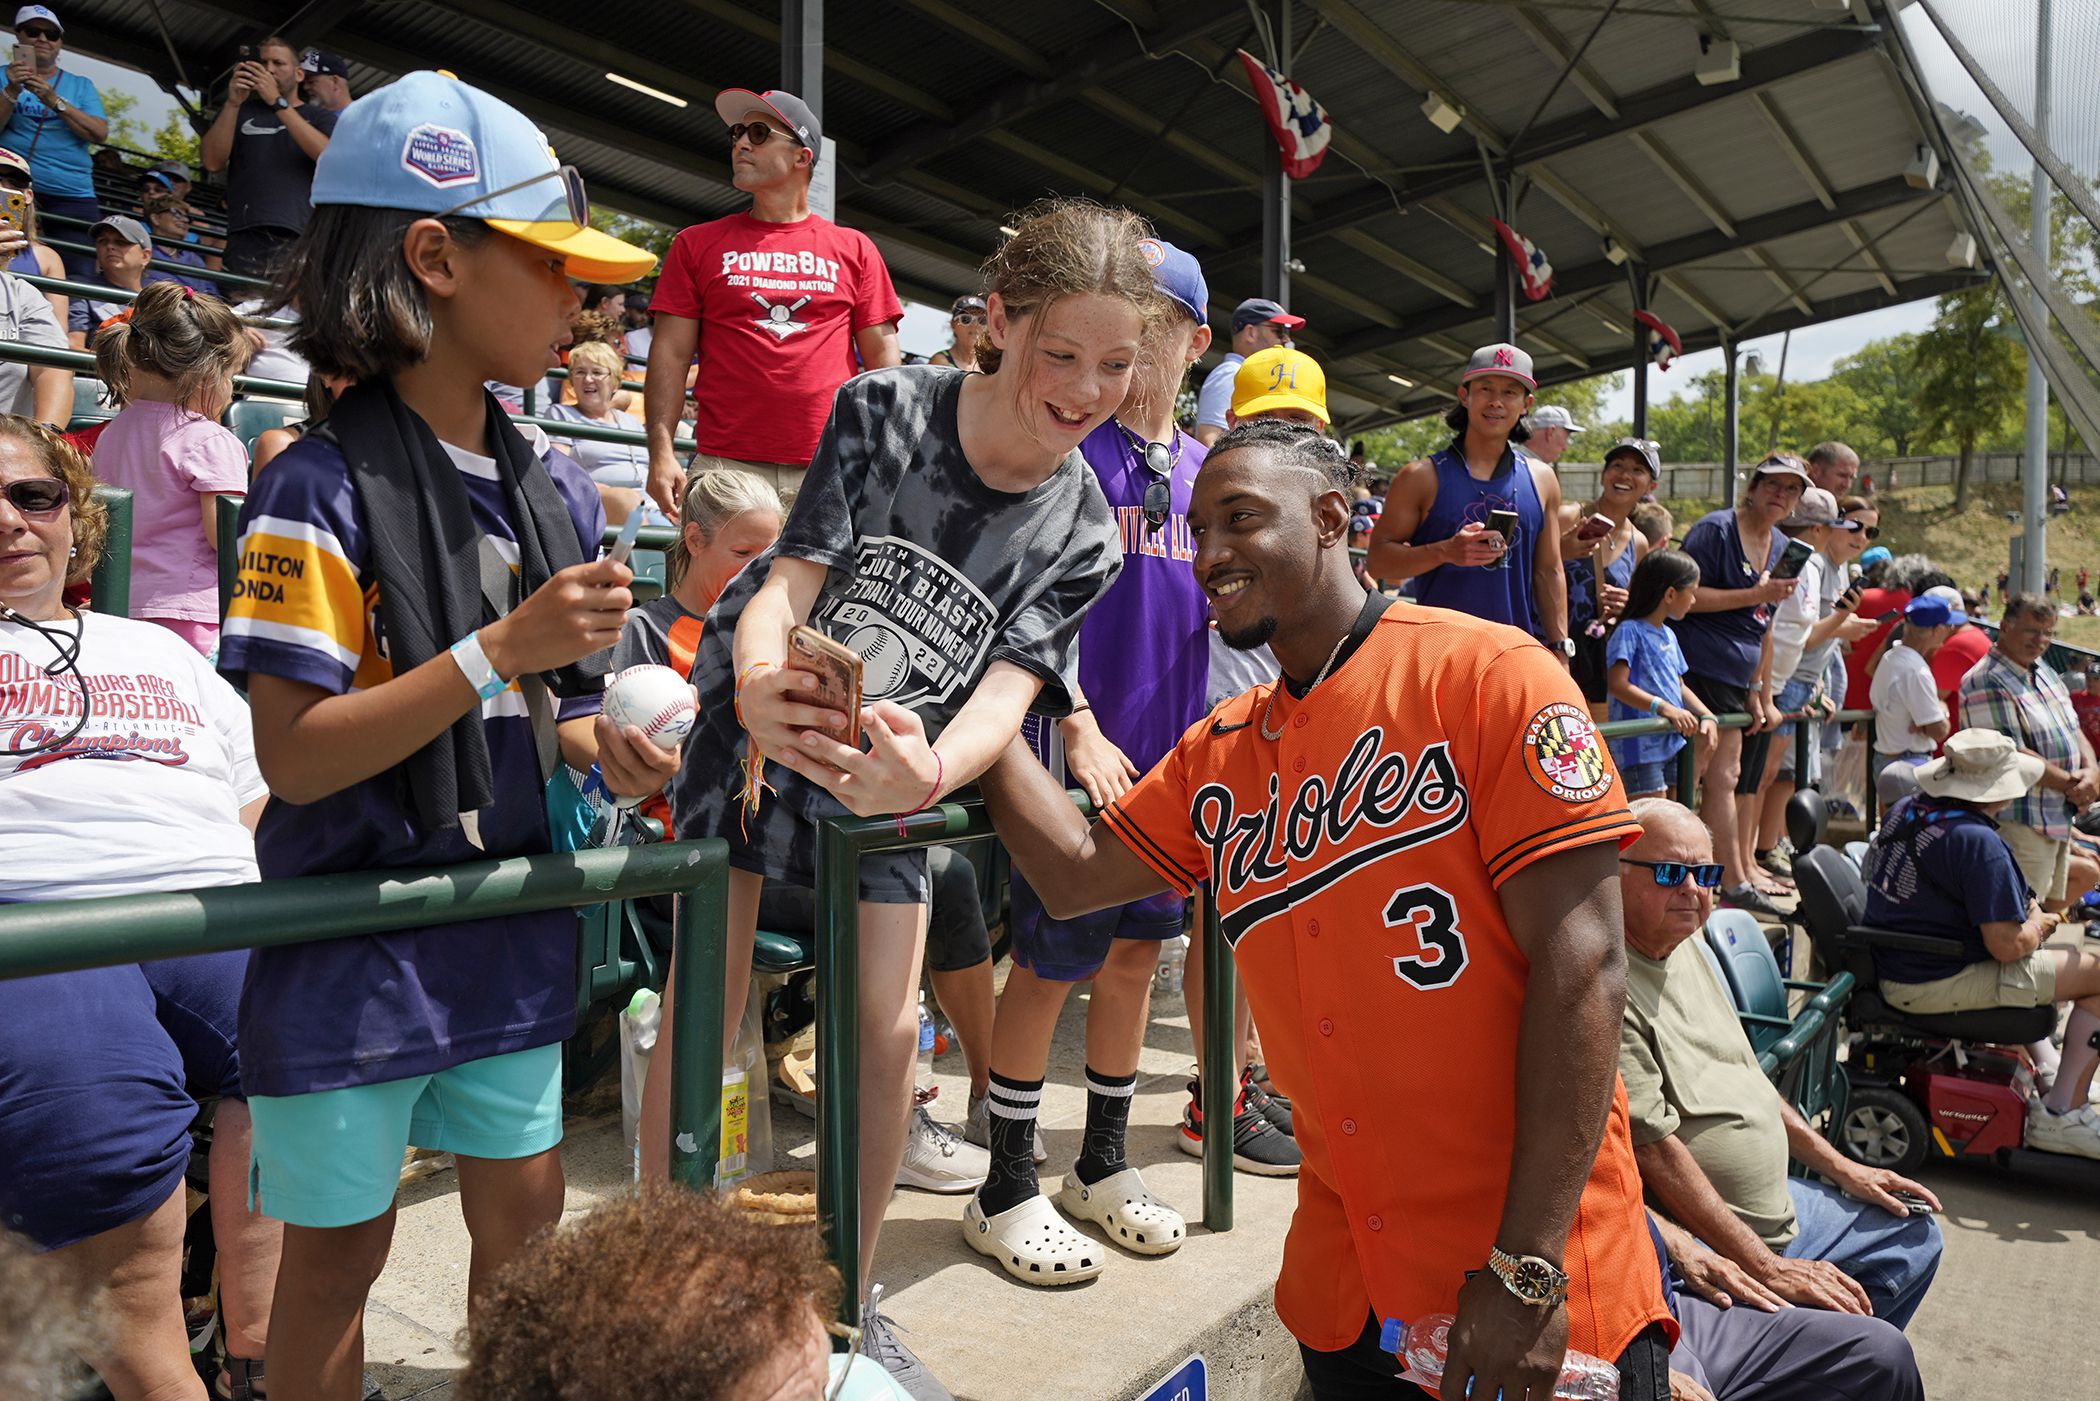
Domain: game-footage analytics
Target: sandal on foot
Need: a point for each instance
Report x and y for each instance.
(240, 1379)
(1132, 1216)
(1032, 1243)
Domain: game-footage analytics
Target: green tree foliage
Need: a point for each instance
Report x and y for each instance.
(171, 140)
(1394, 447)
(643, 233)
(1970, 376)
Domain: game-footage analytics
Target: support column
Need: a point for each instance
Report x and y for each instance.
(802, 51)
(1731, 423)
(1505, 270)
(1640, 368)
(1275, 185)
(2034, 471)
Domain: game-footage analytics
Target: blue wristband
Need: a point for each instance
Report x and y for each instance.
(474, 664)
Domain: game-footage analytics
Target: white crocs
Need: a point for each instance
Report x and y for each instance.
(1032, 1243)
(1132, 1216)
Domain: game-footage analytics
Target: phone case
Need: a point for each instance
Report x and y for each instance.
(1792, 560)
(837, 668)
(14, 210)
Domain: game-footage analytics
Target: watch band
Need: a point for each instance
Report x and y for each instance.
(474, 665)
(1530, 1280)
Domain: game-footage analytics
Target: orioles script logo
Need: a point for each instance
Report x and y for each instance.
(1371, 788)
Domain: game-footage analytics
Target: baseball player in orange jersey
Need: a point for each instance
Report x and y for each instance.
(1413, 844)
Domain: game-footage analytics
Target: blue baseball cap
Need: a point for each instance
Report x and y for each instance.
(430, 144)
(1178, 274)
(1929, 612)
(1878, 554)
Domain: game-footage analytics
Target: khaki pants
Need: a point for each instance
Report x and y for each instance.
(2025, 982)
(785, 476)
(2045, 861)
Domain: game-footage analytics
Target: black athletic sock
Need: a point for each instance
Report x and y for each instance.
(1107, 1125)
(1011, 1109)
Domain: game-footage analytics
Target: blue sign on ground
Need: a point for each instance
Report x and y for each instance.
(1184, 1383)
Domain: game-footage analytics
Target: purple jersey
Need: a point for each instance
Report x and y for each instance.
(1144, 654)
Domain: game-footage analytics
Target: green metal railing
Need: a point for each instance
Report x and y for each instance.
(1687, 765)
(63, 936)
(841, 843)
(74, 245)
(110, 584)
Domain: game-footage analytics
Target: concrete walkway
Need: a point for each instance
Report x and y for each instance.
(2010, 1314)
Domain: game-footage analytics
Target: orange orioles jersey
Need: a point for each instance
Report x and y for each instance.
(1355, 861)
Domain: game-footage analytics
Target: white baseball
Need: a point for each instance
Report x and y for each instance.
(655, 700)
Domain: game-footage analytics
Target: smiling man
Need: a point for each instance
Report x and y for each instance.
(1470, 524)
(1412, 840)
(776, 306)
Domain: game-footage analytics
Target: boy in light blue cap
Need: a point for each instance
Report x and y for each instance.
(420, 618)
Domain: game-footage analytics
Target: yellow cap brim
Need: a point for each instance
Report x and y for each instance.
(593, 255)
(1268, 403)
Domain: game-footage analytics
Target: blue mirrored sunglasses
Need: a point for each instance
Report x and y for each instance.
(1672, 873)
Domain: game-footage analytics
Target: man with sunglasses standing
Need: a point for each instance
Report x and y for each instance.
(1712, 1134)
(266, 138)
(52, 117)
(780, 306)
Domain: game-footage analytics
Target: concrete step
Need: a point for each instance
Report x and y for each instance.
(988, 1337)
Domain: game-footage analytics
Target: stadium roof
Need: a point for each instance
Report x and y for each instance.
(1770, 201)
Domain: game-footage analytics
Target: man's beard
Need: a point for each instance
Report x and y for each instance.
(1258, 635)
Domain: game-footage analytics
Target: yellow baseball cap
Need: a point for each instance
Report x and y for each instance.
(1280, 377)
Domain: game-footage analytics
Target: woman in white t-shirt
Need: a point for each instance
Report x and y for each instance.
(619, 469)
(126, 765)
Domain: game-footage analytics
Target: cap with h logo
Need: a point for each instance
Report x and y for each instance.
(1501, 358)
(430, 144)
(1279, 378)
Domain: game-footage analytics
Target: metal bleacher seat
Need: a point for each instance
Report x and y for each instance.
(251, 418)
(88, 408)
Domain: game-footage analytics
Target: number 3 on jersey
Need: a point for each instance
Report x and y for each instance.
(1430, 914)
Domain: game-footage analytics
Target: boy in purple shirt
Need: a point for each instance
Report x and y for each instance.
(1143, 659)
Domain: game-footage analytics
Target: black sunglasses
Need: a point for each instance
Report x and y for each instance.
(38, 496)
(14, 179)
(47, 35)
(1672, 873)
(1872, 532)
(1158, 503)
(759, 132)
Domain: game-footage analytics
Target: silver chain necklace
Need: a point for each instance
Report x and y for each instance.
(1269, 708)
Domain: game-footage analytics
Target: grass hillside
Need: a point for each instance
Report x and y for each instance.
(1973, 545)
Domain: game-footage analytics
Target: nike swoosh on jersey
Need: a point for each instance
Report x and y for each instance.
(1219, 727)
(249, 128)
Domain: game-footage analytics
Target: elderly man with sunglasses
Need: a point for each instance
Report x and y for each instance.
(764, 312)
(1712, 1135)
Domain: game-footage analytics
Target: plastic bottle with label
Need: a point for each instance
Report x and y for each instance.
(747, 1125)
(1422, 1345)
(1173, 961)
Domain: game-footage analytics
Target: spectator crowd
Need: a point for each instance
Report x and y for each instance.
(1282, 684)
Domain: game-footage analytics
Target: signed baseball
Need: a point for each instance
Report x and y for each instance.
(655, 700)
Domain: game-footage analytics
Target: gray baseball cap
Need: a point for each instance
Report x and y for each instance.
(1819, 507)
(1639, 447)
(1782, 465)
(1554, 416)
(124, 227)
(1501, 359)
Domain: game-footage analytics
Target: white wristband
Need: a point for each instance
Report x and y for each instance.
(474, 665)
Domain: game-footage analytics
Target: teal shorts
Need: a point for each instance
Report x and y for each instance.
(333, 1157)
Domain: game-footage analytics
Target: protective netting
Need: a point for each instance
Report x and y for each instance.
(1976, 61)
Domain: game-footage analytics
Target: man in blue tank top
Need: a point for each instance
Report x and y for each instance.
(1476, 525)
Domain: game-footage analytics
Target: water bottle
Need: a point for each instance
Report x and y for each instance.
(923, 1083)
(1422, 1344)
(1172, 960)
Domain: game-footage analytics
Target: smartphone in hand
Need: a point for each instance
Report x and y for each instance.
(1793, 559)
(1594, 529)
(1503, 523)
(837, 668)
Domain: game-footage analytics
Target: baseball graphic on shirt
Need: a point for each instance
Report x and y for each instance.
(655, 700)
(885, 660)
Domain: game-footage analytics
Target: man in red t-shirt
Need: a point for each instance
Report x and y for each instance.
(774, 308)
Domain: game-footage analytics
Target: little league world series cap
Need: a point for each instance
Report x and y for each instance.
(430, 144)
(1279, 378)
(1177, 274)
(124, 227)
(35, 12)
(732, 105)
(1501, 359)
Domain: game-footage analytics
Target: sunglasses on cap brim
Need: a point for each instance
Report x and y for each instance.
(574, 205)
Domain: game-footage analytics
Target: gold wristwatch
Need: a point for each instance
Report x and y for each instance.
(1534, 1281)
